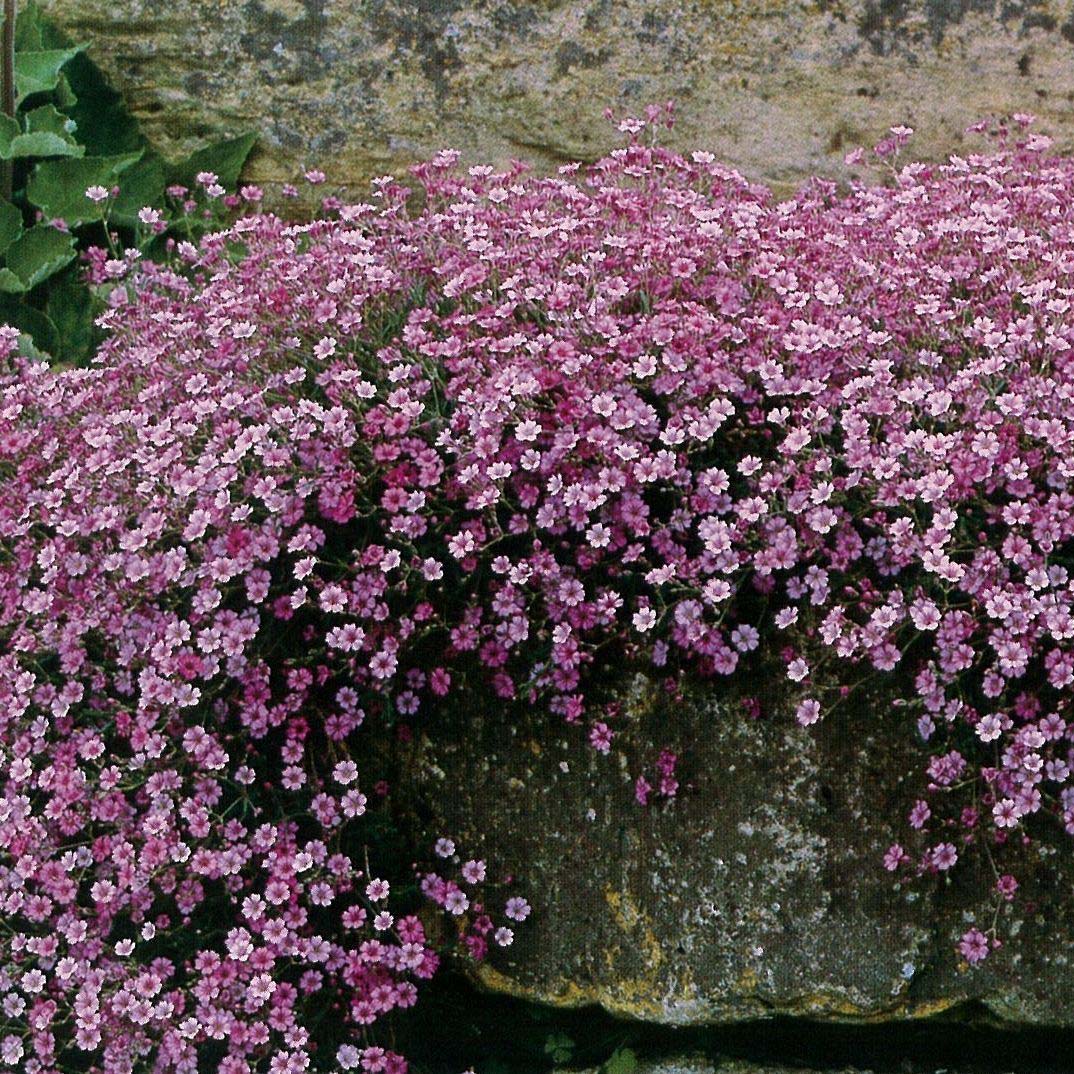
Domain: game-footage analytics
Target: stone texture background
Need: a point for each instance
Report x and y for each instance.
(779, 88)
(759, 892)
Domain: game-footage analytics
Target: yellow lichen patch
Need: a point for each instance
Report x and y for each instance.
(556, 994)
(634, 997)
(632, 921)
(639, 998)
(643, 996)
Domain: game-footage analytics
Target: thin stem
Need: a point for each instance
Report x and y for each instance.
(7, 85)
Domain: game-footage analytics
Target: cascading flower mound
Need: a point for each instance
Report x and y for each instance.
(350, 470)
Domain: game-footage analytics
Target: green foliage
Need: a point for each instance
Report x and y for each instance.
(621, 1061)
(38, 71)
(10, 225)
(72, 131)
(58, 187)
(37, 254)
(559, 1047)
(71, 307)
(44, 132)
(226, 158)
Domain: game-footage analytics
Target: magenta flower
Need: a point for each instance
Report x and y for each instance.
(373, 465)
(973, 946)
(518, 909)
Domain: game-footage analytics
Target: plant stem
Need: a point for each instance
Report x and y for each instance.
(7, 85)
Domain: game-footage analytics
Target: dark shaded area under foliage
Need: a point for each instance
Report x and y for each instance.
(499, 1035)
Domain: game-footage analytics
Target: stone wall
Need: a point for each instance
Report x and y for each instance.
(759, 892)
(779, 88)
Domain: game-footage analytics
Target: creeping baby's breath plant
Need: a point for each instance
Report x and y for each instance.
(328, 475)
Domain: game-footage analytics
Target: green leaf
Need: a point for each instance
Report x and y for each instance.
(50, 120)
(226, 158)
(48, 134)
(14, 143)
(36, 143)
(39, 326)
(9, 131)
(71, 307)
(39, 253)
(58, 187)
(10, 224)
(105, 126)
(559, 1047)
(28, 27)
(140, 185)
(45, 144)
(39, 71)
(29, 349)
(622, 1061)
(10, 284)
(63, 95)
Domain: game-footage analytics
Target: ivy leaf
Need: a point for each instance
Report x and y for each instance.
(39, 71)
(10, 224)
(39, 253)
(225, 158)
(58, 187)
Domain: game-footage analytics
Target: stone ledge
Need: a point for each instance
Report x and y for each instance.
(759, 892)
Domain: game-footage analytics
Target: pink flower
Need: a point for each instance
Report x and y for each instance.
(345, 772)
(506, 437)
(1005, 813)
(919, 814)
(894, 856)
(377, 890)
(943, 856)
(1007, 885)
(456, 902)
(600, 737)
(518, 909)
(973, 946)
(473, 872)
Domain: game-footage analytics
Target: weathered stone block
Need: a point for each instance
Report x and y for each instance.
(760, 890)
(779, 88)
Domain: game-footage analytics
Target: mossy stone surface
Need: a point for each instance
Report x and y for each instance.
(759, 891)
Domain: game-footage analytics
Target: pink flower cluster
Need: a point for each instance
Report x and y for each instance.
(348, 469)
